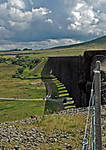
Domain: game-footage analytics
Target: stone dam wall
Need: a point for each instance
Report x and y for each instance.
(76, 73)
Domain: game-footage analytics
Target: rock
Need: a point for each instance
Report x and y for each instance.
(33, 137)
(69, 147)
(16, 147)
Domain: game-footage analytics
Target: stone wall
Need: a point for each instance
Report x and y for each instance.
(76, 73)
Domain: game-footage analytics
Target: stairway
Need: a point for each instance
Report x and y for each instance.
(68, 101)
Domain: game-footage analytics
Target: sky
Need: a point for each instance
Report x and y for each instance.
(39, 24)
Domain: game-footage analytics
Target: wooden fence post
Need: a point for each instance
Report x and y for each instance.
(97, 87)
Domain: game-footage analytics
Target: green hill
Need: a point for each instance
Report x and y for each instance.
(66, 50)
(99, 43)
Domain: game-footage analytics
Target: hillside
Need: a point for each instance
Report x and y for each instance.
(99, 43)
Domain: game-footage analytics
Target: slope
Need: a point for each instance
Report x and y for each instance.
(99, 43)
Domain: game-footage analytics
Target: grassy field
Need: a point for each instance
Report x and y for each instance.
(31, 86)
(57, 52)
(17, 88)
(23, 89)
(48, 52)
(67, 50)
(34, 88)
(11, 110)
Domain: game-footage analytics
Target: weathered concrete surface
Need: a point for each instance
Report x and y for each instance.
(67, 70)
(89, 65)
(76, 73)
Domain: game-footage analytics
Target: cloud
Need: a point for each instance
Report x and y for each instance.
(30, 20)
(19, 16)
(19, 26)
(4, 32)
(5, 45)
(86, 18)
(49, 20)
(41, 11)
(19, 4)
(16, 17)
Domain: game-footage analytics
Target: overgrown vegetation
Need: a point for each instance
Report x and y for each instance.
(11, 110)
(67, 129)
(52, 107)
(25, 64)
(19, 88)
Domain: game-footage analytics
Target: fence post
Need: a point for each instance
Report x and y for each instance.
(97, 87)
(93, 121)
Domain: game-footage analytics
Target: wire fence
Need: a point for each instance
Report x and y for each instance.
(89, 127)
(92, 136)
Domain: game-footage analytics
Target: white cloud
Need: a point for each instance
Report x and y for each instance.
(85, 19)
(3, 6)
(49, 20)
(19, 4)
(69, 41)
(3, 11)
(19, 16)
(19, 26)
(15, 15)
(79, 5)
(72, 27)
(60, 27)
(102, 17)
(37, 45)
(41, 11)
(29, 20)
(76, 14)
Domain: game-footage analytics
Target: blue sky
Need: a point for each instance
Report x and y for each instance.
(40, 24)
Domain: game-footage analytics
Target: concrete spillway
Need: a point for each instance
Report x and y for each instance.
(76, 73)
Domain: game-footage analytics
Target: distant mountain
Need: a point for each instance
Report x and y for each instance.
(95, 44)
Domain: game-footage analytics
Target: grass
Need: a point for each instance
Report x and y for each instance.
(72, 126)
(38, 69)
(11, 110)
(50, 52)
(17, 88)
(51, 125)
(17, 110)
(52, 107)
(61, 122)
(72, 51)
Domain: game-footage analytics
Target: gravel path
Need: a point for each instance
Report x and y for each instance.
(54, 100)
